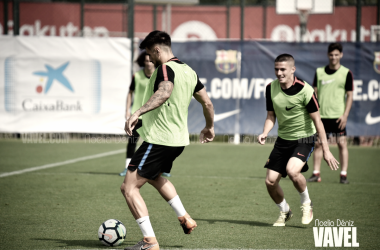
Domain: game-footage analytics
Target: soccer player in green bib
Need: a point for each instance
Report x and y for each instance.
(136, 92)
(292, 102)
(164, 114)
(334, 85)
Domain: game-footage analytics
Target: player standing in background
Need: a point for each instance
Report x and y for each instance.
(292, 101)
(137, 88)
(332, 83)
(165, 133)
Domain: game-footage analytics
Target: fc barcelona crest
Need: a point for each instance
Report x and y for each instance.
(376, 62)
(226, 61)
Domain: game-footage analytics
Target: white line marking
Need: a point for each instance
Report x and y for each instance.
(57, 164)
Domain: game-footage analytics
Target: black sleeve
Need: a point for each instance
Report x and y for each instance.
(269, 99)
(349, 82)
(199, 85)
(164, 73)
(132, 86)
(313, 105)
(315, 83)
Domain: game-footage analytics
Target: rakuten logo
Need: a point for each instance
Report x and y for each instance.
(286, 34)
(70, 29)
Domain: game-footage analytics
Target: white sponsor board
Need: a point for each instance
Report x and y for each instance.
(55, 84)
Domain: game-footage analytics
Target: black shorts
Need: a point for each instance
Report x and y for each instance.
(284, 150)
(332, 127)
(151, 160)
(135, 135)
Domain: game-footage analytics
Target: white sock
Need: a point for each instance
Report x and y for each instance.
(284, 207)
(177, 206)
(316, 172)
(145, 226)
(343, 173)
(127, 161)
(305, 197)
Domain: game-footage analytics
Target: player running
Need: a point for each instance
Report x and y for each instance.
(332, 83)
(292, 101)
(167, 98)
(137, 88)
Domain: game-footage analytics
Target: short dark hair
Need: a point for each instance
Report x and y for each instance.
(156, 37)
(285, 58)
(141, 59)
(334, 46)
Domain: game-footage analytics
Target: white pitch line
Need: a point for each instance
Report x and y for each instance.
(57, 164)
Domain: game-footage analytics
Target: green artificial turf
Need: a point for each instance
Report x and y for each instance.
(221, 186)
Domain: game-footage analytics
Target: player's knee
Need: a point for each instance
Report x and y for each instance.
(270, 183)
(127, 192)
(122, 188)
(292, 174)
(342, 144)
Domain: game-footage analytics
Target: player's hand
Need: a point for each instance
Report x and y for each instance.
(127, 115)
(261, 138)
(342, 121)
(130, 124)
(331, 161)
(207, 135)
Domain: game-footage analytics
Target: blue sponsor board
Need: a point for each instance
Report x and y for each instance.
(237, 89)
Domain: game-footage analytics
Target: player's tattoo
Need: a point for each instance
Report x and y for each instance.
(163, 93)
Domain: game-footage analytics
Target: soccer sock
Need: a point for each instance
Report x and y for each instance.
(145, 226)
(343, 173)
(127, 161)
(305, 196)
(316, 172)
(177, 206)
(284, 207)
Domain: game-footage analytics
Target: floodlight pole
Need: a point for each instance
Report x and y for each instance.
(169, 18)
(82, 17)
(237, 107)
(358, 19)
(378, 12)
(131, 29)
(16, 18)
(154, 17)
(5, 10)
(228, 18)
(242, 19)
(265, 3)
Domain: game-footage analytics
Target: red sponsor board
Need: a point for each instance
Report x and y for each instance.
(188, 22)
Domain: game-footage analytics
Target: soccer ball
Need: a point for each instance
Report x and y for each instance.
(112, 233)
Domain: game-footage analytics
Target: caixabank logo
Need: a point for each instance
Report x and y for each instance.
(70, 86)
(339, 233)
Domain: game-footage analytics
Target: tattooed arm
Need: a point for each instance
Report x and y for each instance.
(163, 93)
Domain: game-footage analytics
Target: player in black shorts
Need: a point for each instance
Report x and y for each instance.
(166, 101)
(334, 86)
(292, 102)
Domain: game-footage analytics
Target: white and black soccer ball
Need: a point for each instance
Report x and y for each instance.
(112, 232)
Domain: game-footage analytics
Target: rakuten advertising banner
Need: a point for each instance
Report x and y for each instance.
(63, 84)
(242, 99)
(201, 22)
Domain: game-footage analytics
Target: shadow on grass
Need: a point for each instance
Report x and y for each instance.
(82, 243)
(96, 244)
(244, 222)
(102, 173)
